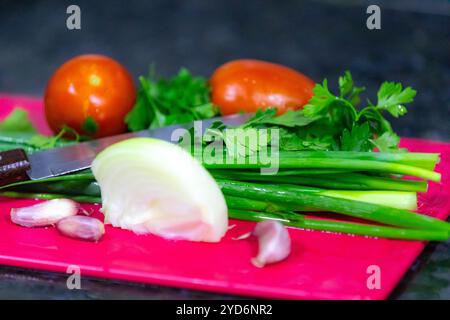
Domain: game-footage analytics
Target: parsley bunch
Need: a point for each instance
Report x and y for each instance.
(162, 102)
(332, 122)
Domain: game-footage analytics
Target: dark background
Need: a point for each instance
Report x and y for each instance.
(319, 38)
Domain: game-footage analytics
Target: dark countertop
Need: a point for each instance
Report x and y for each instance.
(320, 38)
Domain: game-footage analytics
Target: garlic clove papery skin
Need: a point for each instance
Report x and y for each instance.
(152, 186)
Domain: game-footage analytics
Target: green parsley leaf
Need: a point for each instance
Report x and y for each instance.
(165, 101)
(392, 97)
(260, 117)
(348, 90)
(357, 139)
(321, 100)
(205, 111)
(246, 143)
(290, 141)
(17, 121)
(290, 119)
(330, 122)
(139, 117)
(324, 104)
(17, 131)
(387, 142)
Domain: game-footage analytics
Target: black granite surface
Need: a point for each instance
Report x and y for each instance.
(320, 38)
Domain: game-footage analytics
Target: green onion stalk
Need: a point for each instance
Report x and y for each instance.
(342, 227)
(247, 209)
(318, 163)
(415, 159)
(343, 181)
(355, 184)
(266, 199)
(317, 198)
(85, 185)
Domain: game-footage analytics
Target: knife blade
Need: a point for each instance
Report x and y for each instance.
(59, 161)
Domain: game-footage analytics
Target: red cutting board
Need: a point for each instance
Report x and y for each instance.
(322, 265)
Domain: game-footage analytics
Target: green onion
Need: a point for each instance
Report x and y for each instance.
(416, 159)
(295, 195)
(315, 163)
(50, 196)
(345, 181)
(344, 227)
(286, 218)
(394, 199)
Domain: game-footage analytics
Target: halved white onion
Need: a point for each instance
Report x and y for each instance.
(152, 186)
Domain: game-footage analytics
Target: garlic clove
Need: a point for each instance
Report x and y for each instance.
(81, 227)
(274, 243)
(45, 213)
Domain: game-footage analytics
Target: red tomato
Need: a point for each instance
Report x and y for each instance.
(248, 85)
(91, 94)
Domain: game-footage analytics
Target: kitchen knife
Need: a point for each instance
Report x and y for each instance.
(16, 165)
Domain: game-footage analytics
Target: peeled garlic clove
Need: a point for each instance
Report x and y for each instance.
(44, 213)
(81, 227)
(274, 243)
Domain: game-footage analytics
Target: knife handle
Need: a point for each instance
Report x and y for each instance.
(14, 165)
